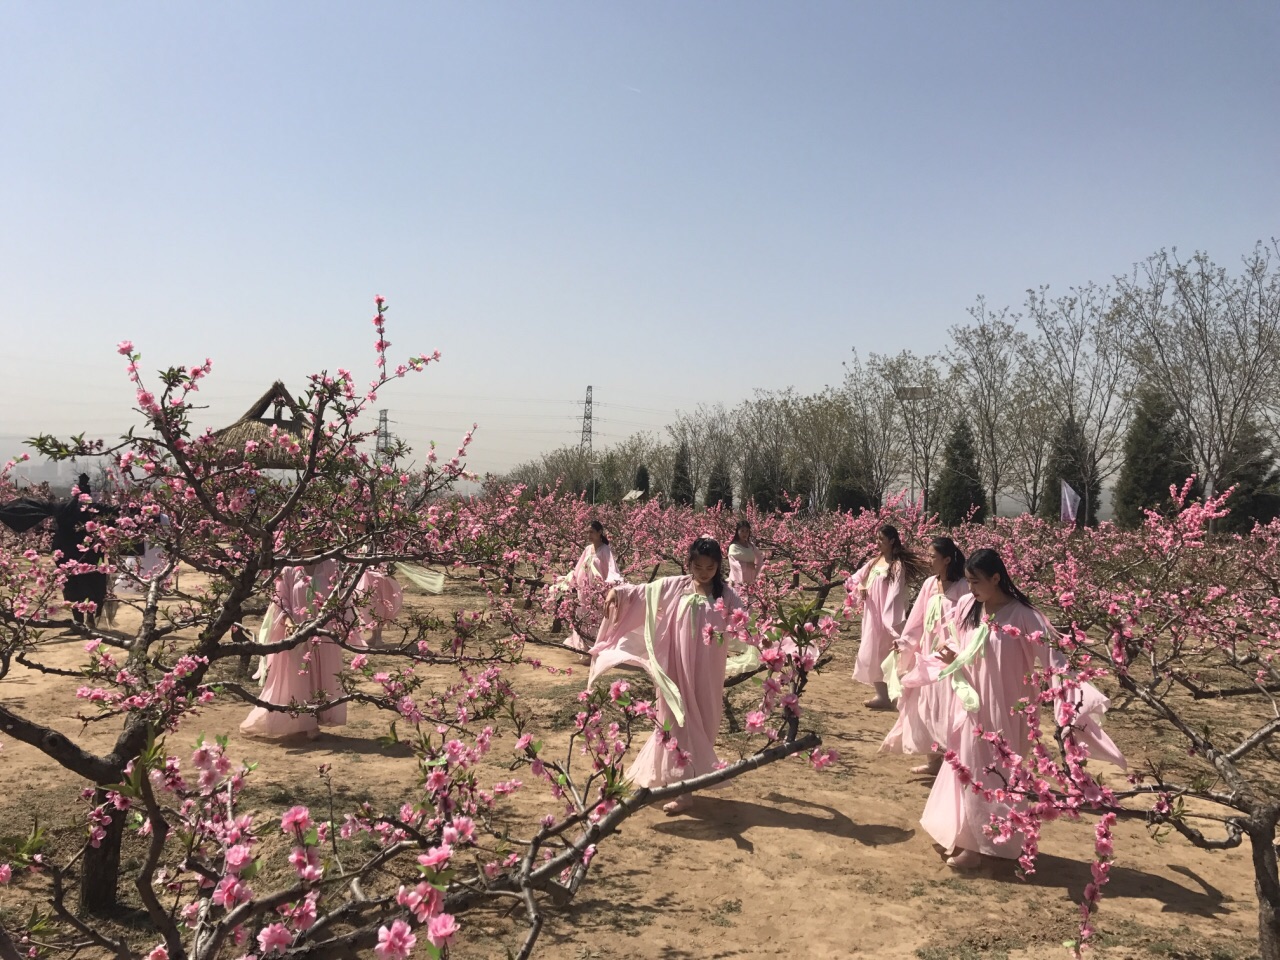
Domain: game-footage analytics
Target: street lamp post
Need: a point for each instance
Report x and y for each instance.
(909, 396)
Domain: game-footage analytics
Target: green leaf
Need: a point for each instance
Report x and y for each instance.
(391, 738)
(311, 837)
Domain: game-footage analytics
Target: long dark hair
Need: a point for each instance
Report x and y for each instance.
(988, 563)
(598, 527)
(901, 558)
(737, 531)
(709, 547)
(946, 547)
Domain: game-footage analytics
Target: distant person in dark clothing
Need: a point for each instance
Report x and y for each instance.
(69, 519)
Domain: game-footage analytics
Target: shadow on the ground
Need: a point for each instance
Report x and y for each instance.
(1073, 875)
(341, 744)
(711, 818)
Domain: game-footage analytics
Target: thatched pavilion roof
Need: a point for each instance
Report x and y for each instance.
(284, 413)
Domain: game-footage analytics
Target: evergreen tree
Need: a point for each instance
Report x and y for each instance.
(847, 491)
(1069, 461)
(1157, 455)
(641, 481)
(758, 487)
(720, 486)
(958, 488)
(682, 491)
(1257, 481)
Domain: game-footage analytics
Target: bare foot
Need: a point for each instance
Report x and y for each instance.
(928, 769)
(875, 703)
(965, 860)
(678, 805)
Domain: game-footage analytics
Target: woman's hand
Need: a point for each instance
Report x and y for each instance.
(611, 605)
(947, 655)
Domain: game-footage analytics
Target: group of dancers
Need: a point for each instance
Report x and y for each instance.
(954, 664)
(958, 665)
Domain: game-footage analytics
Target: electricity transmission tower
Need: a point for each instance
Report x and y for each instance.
(585, 446)
(383, 445)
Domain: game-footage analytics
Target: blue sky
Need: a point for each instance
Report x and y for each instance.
(673, 202)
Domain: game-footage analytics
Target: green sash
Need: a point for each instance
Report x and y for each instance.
(967, 695)
(664, 684)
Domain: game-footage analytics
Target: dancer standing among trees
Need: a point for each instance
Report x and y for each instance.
(379, 600)
(926, 704)
(659, 627)
(881, 586)
(1001, 637)
(744, 557)
(596, 562)
(308, 672)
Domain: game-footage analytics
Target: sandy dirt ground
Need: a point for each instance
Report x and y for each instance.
(782, 862)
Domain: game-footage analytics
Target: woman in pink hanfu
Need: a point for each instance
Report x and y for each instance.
(744, 558)
(926, 705)
(996, 631)
(881, 586)
(307, 672)
(597, 563)
(660, 627)
(379, 599)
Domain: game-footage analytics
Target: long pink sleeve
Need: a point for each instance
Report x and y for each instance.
(912, 634)
(606, 566)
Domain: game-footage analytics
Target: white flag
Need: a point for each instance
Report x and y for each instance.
(1070, 503)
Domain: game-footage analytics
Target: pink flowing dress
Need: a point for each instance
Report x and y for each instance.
(954, 814)
(598, 563)
(926, 705)
(307, 672)
(744, 565)
(379, 599)
(884, 612)
(658, 627)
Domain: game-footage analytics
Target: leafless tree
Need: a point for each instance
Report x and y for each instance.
(876, 429)
(1082, 367)
(1211, 341)
(927, 397)
(1031, 443)
(985, 356)
(762, 438)
(821, 430)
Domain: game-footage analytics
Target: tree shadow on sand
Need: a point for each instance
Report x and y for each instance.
(610, 910)
(1071, 876)
(338, 743)
(711, 818)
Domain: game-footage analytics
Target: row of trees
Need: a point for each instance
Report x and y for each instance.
(1169, 371)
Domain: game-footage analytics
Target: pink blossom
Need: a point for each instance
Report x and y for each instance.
(442, 929)
(423, 901)
(296, 818)
(274, 939)
(238, 857)
(436, 856)
(396, 942)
